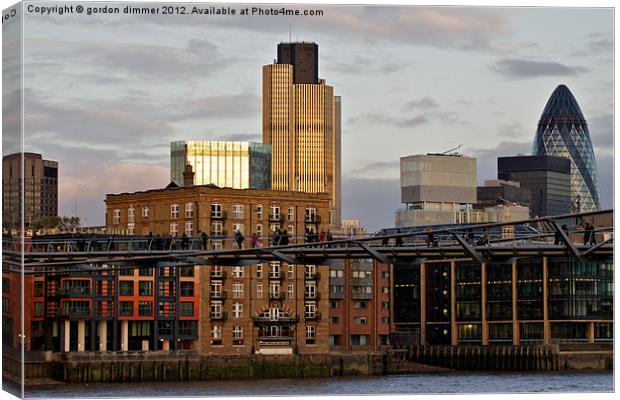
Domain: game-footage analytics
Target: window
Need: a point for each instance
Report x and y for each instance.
(291, 291)
(145, 288)
(189, 228)
(126, 288)
(145, 308)
(291, 213)
(216, 210)
(310, 309)
(385, 305)
(216, 332)
(187, 309)
(237, 227)
(217, 228)
(174, 229)
(334, 304)
(187, 288)
(361, 274)
(360, 320)
(385, 320)
(259, 270)
(237, 290)
(310, 291)
(237, 310)
(333, 320)
(131, 215)
(117, 216)
(362, 289)
(237, 211)
(38, 309)
(174, 211)
(385, 289)
(336, 289)
(310, 334)
(146, 272)
(259, 212)
(359, 304)
(187, 271)
(385, 274)
(237, 272)
(274, 270)
(358, 340)
(259, 231)
(311, 214)
(38, 288)
(310, 271)
(291, 231)
(6, 285)
(216, 308)
(274, 289)
(126, 272)
(336, 273)
(145, 212)
(259, 290)
(126, 308)
(291, 272)
(189, 210)
(237, 332)
(274, 212)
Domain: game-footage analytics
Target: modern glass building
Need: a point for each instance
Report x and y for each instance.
(237, 165)
(563, 132)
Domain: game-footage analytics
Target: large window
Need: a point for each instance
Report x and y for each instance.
(116, 215)
(216, 210)
(237, 211)
(274, 212)
(174, 211)
(145, 308)
(125, 308)
(237, 290)
(145, 288)
(189, 210)
(187, 309)
(468, 292)
(187, 288)
(126, 288)
(310, 334)
(237, 310)
(259, 212)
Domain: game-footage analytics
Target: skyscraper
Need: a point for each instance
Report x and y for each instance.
(39, 193)
(301, 120)
(237, 165)
(563, 132)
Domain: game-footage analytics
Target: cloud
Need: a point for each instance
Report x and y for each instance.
(374, 118)
(595, 45)
(236, 106)
(372, 201)
(511, 130)
(516, 68)
(424, 103)
(601, 130)
(412, 122)
(465, 102)
(605, 163)
(242, 137)
(376, 167)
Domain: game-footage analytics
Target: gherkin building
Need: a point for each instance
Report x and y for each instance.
(563, 132)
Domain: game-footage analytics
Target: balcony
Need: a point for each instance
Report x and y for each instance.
(313, 219)
(312, 277)
(75, 292)
(275, 340)
(276, 218)
(277, 296)
(313, 317)
(217, 275)
(276, 277)
(221, 295)
(219, 215)
(311, 296)
(76, 312)
(278, 321)
(221, 316)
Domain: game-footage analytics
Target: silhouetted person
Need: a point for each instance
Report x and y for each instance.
(484, 238)
(384, 241)
(471, 238)
(205, 240)
(184, 242)
(239, 239)
(590, 234)
(284, 238)
(399, 239)
(254, 239)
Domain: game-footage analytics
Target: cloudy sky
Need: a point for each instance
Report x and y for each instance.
(106, 94)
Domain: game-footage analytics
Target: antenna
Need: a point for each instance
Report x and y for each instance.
(451, 150)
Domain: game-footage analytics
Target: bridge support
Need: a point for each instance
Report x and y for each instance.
(422, 304)
(546, 326)
(67, 336)
(483, 304)
(515, 318)
(124, 335)
(81, 332)
(454, 336)
(102, 331)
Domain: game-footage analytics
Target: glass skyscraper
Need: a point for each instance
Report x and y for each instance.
(563, 132)
(237, 165)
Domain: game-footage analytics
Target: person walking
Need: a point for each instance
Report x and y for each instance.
(399, 239)
(184, 242)
(239, 239)
(254, 239)
(592, 239)
(329, 237)
(284, 238)
(587, 231)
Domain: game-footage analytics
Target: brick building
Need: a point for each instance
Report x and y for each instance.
(268, 308)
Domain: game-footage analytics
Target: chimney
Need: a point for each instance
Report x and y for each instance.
(188, 176)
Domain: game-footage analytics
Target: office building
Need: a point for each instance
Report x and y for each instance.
(237, 165)
(436, 189)
(547, 177)
(563, 132)
(301, 121)
(501, 192)
(39, 193)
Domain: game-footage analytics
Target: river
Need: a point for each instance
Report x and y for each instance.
(453, 382)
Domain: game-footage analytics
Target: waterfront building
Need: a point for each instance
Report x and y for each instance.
(501, 192)
(38, 195)
(301, 121)
(527, 301)
(563, 132)
(237, 165)
(269, 308)
(547, 177)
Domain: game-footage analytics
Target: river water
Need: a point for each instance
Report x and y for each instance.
(453, 382)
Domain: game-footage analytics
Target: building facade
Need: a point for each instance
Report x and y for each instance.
(563, 132)
(538, 300)
(39, 193)
(268, 308)
(500, 192)
(547, 177)
(301, 121)
(237, 165)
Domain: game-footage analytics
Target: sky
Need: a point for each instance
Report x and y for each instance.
(104, 95)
